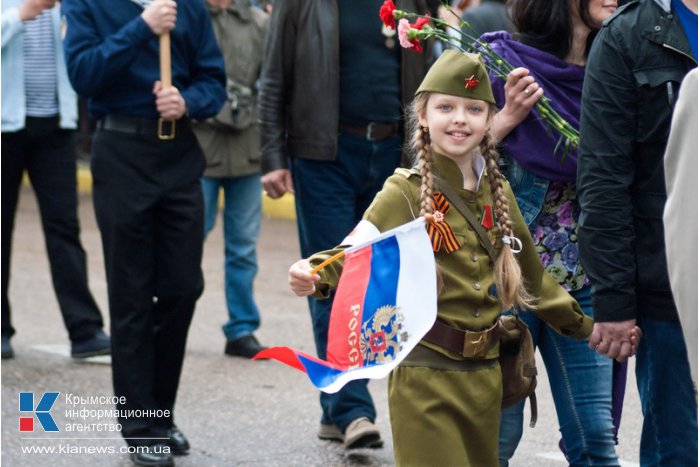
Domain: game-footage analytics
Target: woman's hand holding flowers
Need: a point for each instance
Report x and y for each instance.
(522, 93)
(410, 35)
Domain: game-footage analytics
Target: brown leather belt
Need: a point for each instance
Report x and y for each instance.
(373, 131)
(466, 343)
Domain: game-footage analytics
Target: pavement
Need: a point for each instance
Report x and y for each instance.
(235, 412)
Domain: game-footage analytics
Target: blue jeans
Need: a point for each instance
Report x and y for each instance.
(330, 198)
(581, 384)
(670, 430)
(242, 211)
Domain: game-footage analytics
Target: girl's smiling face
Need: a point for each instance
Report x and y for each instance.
(457, 125)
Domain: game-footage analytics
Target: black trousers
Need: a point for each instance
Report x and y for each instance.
(149, 207)
(47, 153)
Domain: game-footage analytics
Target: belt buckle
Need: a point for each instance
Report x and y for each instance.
(161, 125)
(370, 131)
(475, 347)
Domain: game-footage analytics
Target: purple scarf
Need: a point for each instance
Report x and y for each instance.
(531, 143)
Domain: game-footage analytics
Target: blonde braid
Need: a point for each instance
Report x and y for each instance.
(421, 149)
(507, 274)
(425, 164)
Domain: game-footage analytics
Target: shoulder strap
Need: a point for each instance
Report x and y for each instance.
(468, 214)
(406, 172)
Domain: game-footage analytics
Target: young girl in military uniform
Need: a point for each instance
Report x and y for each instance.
(444, 401)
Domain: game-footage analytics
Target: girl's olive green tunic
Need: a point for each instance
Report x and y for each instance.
(445, 408)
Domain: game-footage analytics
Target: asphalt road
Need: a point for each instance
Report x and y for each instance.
(234, 412)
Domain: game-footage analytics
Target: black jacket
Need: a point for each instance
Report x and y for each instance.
(634, 70)
(300, 83)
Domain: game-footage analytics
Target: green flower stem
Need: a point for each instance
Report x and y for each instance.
(497, 65)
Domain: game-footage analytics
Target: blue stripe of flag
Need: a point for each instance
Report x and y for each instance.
(319, 374)
(384, 276)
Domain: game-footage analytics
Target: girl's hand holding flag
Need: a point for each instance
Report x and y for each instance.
(385, 302)
(301, 281)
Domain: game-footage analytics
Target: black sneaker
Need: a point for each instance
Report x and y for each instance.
(7, 351)
(99, 344)
(246, 347)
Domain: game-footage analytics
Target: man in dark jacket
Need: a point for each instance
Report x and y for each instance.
(634, 71)
(333, 84)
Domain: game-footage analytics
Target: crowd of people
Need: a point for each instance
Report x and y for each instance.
(196, 102)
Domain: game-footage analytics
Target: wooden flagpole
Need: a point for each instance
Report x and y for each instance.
(166, 80)
(166, 77)
(428, 218)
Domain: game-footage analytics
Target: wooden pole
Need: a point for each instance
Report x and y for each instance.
(330, 260)
(166, 81)
(337, 256)
(166, 77)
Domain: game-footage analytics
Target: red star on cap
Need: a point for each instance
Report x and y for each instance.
(471, 82)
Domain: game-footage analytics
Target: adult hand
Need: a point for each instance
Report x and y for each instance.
(301, 281)
(521, 92)
(635, 335)
(617, 339)
(169, 102)
(160, 16)
(277, 183)
(447, 16)
(30, 9)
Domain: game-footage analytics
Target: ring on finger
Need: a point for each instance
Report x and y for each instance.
(527, 91)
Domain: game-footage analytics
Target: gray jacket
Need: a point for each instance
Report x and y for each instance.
(240, 33)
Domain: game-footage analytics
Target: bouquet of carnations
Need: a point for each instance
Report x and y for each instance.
(411, 34)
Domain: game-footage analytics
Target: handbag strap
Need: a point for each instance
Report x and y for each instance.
(468, 214)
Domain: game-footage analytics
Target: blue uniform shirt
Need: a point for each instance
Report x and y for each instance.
(112, 58)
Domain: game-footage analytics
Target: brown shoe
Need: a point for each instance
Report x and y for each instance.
(361, 433)
(330, 433)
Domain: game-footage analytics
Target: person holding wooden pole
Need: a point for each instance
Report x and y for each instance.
(146, 166)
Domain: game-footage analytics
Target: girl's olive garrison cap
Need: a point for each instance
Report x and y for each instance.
(459, 74)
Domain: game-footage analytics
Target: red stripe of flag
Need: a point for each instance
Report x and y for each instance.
(345, 326)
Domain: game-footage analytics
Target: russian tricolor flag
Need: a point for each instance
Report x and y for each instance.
(386, 301)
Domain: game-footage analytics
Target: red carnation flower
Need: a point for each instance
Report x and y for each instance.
(386, 13)
(416, 45)
(421, 21)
